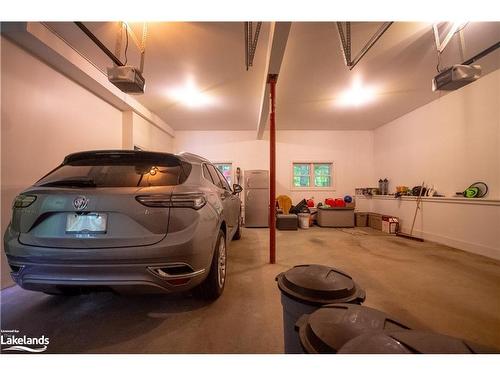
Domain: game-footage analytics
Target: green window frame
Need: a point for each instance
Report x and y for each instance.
(316, 175)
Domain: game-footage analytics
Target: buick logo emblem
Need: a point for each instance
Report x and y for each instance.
(80, 203)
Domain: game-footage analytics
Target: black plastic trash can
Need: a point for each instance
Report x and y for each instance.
(329, 328)
(305, 288)
(410, 342)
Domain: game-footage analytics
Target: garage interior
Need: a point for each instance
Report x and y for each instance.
(207, 92)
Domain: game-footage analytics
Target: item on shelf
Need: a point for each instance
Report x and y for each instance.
(418, 191)
(359, 191)
(476, 190)
(310, 203)
(348, 199)
(385, 186)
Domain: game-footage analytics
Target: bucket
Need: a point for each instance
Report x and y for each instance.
(304, 220)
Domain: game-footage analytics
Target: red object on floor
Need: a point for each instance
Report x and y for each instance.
(310, 203)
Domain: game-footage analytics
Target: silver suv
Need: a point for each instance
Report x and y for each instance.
(125, 221)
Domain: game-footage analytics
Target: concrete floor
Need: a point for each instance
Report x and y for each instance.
(426, 285)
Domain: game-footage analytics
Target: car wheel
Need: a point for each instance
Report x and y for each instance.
(237, 234)
(213, 286)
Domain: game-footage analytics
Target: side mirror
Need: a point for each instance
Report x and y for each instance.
(237, 189)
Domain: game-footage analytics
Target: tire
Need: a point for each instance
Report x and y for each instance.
(213, 286)
(237, 234)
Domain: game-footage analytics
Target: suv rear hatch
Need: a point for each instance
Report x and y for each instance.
(96, 200)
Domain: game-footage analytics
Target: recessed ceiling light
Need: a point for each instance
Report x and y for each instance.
(191, 95)
(358, 94)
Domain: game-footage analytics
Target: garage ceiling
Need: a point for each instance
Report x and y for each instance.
(211, 56)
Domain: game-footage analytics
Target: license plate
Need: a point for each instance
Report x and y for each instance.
(86, 223)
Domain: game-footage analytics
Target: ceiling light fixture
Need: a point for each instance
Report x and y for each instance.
(191, 95)
(356, 95)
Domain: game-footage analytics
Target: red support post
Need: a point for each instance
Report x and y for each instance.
(272, 78)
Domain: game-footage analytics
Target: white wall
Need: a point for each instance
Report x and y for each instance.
(45, 116)
(449, 143)
(350, 151)
(149, 137)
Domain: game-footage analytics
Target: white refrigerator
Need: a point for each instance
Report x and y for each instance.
(256, 191)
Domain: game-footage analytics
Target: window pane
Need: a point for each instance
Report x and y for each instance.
(223, 181)
(322, 181)
(125, 170)
(225, 169)
(301, 181)
(300, 169)
(322, 169)
(215, 177)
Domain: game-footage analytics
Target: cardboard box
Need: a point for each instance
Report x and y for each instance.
(390, 224)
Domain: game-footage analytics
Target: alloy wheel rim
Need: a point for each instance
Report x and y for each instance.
(222, 263)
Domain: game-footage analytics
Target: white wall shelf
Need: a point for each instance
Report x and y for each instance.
(455, 200)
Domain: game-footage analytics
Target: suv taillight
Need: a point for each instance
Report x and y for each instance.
(23, 201)
(191, 200)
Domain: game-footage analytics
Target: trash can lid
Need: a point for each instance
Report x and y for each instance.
(315, 284)
(409, 342)
(329, 328)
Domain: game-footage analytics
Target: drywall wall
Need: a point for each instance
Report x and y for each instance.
(350, 151)
(149, 137)
(449, 144)
(45, 116)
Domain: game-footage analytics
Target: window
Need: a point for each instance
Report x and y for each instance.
(215, 177)
(223, 180)
(226, 170)
(206, 173)
(312, 175)
(118, 170)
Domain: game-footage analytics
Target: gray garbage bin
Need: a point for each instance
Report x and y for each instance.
(327, 329)
(305, 288)
(409, 342)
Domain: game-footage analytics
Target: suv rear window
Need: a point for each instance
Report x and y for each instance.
(118, 169)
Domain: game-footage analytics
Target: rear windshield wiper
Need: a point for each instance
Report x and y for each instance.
(71, 182)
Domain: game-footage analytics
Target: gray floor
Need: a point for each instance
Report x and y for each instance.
(428, 286)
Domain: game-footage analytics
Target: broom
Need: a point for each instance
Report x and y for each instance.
(410, 236)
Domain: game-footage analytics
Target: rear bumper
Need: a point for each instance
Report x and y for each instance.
(124, 278)
(127, 269)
